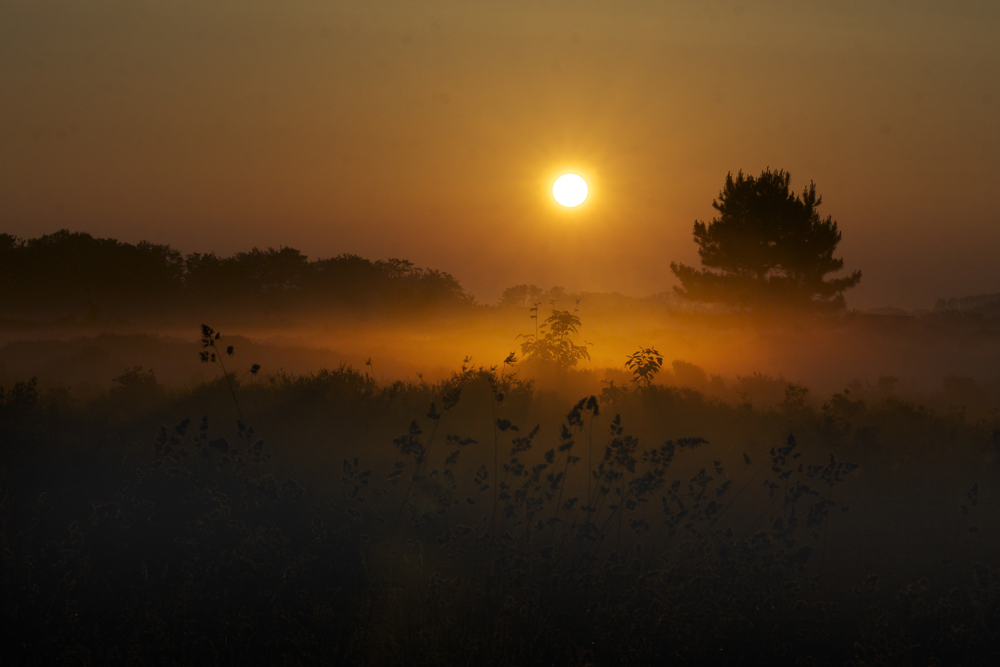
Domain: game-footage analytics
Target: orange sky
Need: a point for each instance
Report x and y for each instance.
(432, 130)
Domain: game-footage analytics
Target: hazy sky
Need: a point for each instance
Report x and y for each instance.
(432, 130)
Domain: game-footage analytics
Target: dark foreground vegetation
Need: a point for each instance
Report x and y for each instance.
(329, 518)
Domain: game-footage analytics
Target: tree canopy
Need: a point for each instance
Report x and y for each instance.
(768, 246)
(73, 274)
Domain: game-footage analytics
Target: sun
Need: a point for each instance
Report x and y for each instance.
(570, 190)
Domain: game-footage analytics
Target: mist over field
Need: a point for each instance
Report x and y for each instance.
(925, 354)
(178, 470)
(929, 352)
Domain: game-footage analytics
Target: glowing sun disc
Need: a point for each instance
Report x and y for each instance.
(570, 190)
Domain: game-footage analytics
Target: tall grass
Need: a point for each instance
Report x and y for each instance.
(476, 521)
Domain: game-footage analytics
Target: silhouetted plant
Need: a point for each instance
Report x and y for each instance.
(612, 393)
(644, 363)
(212, 353)
(551, 345)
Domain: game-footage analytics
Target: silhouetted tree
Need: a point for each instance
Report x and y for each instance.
(526, 296)
(73, 270)
(768, 246)
(521, 296)
(10, 247)
(77, 273)
(551, 347)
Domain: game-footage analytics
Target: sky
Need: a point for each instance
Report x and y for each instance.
(433, 130)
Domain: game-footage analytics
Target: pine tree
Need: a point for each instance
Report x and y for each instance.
(768, 246)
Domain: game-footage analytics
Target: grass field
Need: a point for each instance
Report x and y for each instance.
(488, 518)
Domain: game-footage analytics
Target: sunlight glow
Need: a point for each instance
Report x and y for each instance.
(570, 190)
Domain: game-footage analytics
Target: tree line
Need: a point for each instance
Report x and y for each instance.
(73, 273)
(768, 248)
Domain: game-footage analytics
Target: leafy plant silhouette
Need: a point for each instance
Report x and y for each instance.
(644, 363)
(551, 346)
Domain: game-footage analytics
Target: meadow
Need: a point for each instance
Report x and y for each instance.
(496, 514)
